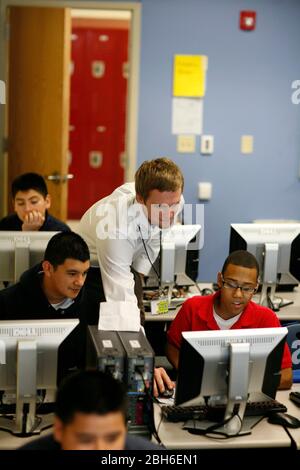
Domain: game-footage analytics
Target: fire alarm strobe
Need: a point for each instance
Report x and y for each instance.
(248, 20)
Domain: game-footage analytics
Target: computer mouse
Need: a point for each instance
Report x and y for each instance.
(284, 419)
(168, 393)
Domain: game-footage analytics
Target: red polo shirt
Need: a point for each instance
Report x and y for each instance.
(196, 314)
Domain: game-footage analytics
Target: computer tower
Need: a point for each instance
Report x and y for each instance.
(105, 352)
(139, 378)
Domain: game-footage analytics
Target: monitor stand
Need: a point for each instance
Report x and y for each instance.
(269, 299)
(25, 421)
(233, 428)
(233, 424)
(28, 426)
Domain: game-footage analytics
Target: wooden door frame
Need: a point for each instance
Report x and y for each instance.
(133, 80)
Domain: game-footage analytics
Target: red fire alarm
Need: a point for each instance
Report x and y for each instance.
(247, 20)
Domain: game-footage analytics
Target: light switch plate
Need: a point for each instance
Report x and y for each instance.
(247, 144)
(186, 144)
(204, 191)
(207, 144)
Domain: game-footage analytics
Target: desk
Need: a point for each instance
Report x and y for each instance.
(293, 409)
(10, 442)
(288, 313)
(264, 435)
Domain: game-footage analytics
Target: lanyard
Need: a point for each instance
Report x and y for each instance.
(146, 251)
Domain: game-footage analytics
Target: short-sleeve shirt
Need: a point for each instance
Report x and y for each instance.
(196, 314)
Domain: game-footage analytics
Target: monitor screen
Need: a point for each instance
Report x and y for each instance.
(28, 369)
(20, 251)
(225, 366)
(276, 247)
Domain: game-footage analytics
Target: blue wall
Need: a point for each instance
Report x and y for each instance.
(248, 92)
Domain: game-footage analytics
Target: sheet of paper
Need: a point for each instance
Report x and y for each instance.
(189, 75)
(187, 116)
(119, 316)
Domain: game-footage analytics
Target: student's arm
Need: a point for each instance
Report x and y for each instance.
(172, 354)
(286, 380)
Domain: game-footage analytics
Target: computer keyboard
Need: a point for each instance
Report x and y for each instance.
(175, 414)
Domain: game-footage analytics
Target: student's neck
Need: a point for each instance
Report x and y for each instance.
(221, 312)
(52, 297)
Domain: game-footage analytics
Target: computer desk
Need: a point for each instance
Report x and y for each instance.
(293, 409)
(10, 442)
(264, 434)
(288, 313)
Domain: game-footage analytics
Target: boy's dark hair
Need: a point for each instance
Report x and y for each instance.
(65, 245)
(241, 258)
(29, 181)
(90, 391)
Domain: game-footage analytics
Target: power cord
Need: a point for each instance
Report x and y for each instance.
(213, 429)
(149, 396)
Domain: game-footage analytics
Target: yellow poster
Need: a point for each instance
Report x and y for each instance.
(189, 75)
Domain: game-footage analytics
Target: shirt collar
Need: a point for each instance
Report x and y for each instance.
(245, 320)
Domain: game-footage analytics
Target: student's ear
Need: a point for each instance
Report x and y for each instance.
(219, 280)
(57, 429)
(47, 268)
(139, 199)
(48, 201)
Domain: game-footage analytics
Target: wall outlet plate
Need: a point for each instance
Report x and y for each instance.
(207, 144)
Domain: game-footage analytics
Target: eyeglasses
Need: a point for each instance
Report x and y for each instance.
(246, 290)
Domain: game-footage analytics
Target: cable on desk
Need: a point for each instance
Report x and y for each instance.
(213, 429)
(293, 442)
(153, 400)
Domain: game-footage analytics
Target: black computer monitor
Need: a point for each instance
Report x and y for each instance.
(276, 247)
(225, 366)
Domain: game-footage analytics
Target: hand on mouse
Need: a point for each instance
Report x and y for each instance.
(162, 382)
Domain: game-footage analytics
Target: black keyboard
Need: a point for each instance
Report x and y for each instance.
(216, 413)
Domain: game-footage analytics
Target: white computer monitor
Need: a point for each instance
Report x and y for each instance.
(20, 251)
(28, 370)
(276, 247)
(176, 265)
(229, 367)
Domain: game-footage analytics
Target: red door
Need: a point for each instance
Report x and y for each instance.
(97, 115)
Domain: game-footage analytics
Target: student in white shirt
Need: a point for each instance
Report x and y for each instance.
(123, 231)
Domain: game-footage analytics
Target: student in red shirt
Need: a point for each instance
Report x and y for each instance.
(229, 308)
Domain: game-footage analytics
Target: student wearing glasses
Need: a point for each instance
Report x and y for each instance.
(230, 307)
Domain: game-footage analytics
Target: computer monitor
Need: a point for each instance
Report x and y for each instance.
(225, 366)
(28, 370)
(276, 247)
(176, 265)
(19, 251)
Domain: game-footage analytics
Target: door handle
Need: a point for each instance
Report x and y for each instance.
(58, 178)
